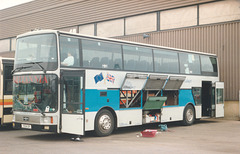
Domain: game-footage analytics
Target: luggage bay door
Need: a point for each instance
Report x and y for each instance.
(171, 91)
(219, 99)
(131, 89)
(155, 82)
(134, 81)
(174, 83)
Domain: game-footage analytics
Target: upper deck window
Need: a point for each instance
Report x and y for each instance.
(98, 54)
(41, 49)
(69, 51)
(137, 58)
(209, 65)
(189, 63)
(166, 61)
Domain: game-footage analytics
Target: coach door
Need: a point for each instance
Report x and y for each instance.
(72, 102)
(219, 99)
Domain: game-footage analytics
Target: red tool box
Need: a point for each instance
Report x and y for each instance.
(149, 133)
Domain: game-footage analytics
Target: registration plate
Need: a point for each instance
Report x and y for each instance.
(26, 126)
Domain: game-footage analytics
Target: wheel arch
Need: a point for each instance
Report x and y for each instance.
(184, 111)
(191, 104)
(113, 113)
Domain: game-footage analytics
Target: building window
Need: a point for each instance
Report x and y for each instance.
(176, 18)
(87, 29)
(111, 28)
(141, 23)
(13, 44)
(4, 45)
(221, 11)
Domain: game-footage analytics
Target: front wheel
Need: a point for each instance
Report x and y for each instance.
(104, 123)
(188, 115)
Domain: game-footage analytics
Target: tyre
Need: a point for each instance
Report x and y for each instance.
(104, 123)
(188, 115)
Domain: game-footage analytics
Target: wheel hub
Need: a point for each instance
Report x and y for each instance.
(189, 115)
(105, 122)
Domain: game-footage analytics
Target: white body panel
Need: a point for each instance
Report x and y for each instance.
(189, 82)
(124, 118)
(198, 111)
(219, 107)
(129, 117)
(7, 118)
(219, 110)
(172, 114)
(72, 123)
(89, 120)
(104, 84)
(1, 111)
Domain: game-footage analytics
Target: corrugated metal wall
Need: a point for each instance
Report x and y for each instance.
(221, 39)
(63, 13)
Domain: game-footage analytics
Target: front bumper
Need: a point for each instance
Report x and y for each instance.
(43, 128)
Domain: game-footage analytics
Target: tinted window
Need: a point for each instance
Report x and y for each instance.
(189, 63)
(35, 93)
(209, 65)
(41, 49)
(69, 51)
(137, 58)
(8, 79)
(166, 61)
(72, 94)
(98, 54)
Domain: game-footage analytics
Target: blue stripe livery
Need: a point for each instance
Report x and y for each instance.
(185, 96)
(95, 102)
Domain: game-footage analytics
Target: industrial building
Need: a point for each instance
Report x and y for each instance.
(211, 26)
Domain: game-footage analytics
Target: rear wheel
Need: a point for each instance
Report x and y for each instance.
(188, 115)
(104, 123)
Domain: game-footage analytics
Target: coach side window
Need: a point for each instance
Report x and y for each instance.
(98, 54)
(137, 58)
(69, 51)
(8, 79)
(189, 63)
(166, 61)
(209, 65)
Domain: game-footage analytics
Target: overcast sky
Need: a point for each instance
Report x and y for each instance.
(9, 3)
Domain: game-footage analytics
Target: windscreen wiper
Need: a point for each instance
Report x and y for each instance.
(38, 109)
(20, 68)
(38, 63)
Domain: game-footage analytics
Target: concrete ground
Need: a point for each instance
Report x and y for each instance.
(205, 136)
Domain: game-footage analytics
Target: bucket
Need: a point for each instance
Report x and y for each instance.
(149, 133)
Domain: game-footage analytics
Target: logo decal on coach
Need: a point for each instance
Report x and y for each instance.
(110, 78)
(99, 77)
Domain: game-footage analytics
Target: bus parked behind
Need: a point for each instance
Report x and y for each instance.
(6, 103)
